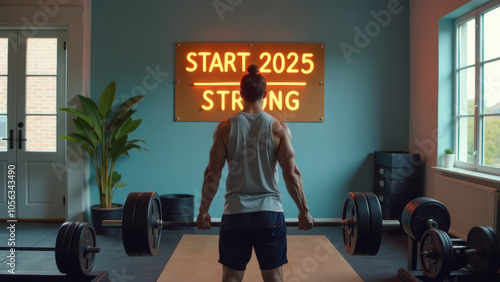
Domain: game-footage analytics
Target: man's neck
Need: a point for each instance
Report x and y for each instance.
(253, 108)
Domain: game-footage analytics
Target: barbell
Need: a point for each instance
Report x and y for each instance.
(440, 254)
(361, 223)
(75, 248)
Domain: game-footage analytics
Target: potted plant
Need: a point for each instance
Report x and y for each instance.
(449, 158)
(103, 132)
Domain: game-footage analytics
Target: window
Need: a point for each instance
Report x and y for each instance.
(477, 89)
(41, 94)
(31, 76)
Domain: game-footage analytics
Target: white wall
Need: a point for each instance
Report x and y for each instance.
(74, 15)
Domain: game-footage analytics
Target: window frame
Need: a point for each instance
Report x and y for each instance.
(479, 114)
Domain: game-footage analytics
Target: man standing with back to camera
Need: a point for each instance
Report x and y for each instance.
(252, 142)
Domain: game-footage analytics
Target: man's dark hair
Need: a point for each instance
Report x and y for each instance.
(252, 85)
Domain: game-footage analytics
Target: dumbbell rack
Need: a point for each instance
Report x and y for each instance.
(412, 273)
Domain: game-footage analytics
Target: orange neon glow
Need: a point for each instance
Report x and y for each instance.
(237, 83)
(275, 100)
(288, 83)
(277, 62)
(208, 74)
(217, 62)
(306, 59)
(216, 83)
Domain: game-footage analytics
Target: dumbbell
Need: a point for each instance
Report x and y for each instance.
(440, 254)
(75, 248)
(361, 224)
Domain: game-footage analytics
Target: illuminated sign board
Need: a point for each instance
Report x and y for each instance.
(208, 74)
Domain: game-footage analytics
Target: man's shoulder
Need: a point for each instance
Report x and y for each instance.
(223, 128)
(224, 123)
(280, 129)
(278, 125)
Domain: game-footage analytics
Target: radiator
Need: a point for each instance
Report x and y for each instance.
(469, 204)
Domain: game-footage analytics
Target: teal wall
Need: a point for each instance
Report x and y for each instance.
(366, 92)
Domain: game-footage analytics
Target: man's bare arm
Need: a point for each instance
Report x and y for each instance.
(291, 173)
(212, 175)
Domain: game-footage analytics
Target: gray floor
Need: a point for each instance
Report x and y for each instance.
(120, 267)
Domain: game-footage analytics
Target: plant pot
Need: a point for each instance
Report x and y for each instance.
(449, 160)
(98, 214)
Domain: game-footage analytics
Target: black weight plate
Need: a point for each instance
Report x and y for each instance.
(356, 234)
(128, 225)
(156, 213)
(61, 261)
(487, 260)
(419, 211)
(148, 210)
(65, 254)
(406, 214)
(82, 261)
(438, 263)
(375, 237)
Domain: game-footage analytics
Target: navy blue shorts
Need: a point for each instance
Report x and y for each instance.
(264, 231)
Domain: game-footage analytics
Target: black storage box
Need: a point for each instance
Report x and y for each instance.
(397, 180)
(396, 159)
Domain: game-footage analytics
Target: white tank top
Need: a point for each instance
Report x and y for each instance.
(252, 182)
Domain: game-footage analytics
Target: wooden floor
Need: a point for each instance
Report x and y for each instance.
(310, 257)
(113, 259)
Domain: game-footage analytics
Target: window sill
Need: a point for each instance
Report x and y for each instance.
(469, 175)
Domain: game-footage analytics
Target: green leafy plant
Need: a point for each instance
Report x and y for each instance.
(449, 151)
(103, 133)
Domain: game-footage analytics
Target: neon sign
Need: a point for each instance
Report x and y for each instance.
(208, 77)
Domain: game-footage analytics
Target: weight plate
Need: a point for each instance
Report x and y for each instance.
(436, 254)
(419, 211)
(61, 261)
(485, 240)
(375, 238)
(128, 225)
(63, 256)
(356, 232)
(81, 260)
(148, 210)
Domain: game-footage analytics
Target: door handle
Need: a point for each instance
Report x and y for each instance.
(20, 139)
(11, 139)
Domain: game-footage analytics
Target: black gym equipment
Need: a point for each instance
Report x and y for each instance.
(439, 254)
(361, 224)
(425, 220)
(483, 250)
(75, 248)
(442, 257)
(423, 213)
